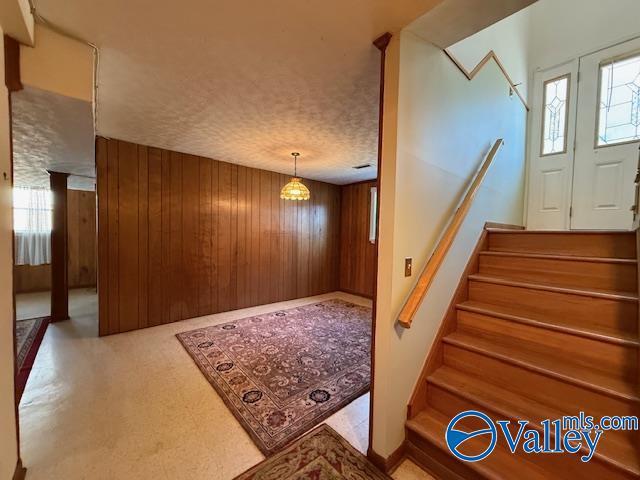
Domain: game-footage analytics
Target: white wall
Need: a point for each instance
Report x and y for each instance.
(16, 20)
(58, 64)
(432, 145)
(514, 53)
(8, 445)
(565, 29)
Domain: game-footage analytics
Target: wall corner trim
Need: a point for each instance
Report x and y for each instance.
(389, 464)
(20, 472)
(489, 56)
(382, 41)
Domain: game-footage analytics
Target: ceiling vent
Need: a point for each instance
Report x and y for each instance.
(364, 165)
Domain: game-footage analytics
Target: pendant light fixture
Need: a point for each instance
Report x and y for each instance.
(295, 189)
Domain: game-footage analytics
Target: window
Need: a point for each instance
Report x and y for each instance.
(555, 118)
(372, 215)
(32, 210)
(619, 108)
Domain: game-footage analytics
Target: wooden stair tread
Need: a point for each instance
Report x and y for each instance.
(556, 232)
(543, 360)
(589, 292)
(516, 314)
(559, 257)
(510, 405)
(431, 425)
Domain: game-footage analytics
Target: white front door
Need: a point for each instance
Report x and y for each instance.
(551, 147)
(585, 132)
(607, 137)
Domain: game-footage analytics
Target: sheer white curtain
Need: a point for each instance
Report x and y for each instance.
(32, 225)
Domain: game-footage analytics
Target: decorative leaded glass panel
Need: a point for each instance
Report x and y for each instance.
(554, 127)
(619, 110)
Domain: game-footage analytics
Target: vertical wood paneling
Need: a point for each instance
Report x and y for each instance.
(183, 236)
(190, 235)
(155, 254)
(167, 284)
(102, 175)
(143, 237)
(255, 238)
(264, 207)
(233, 239)
(275, 249)
(243, 214)
(128, 204)
(205, 242)
(224, 236)
(303, 247)
(176, 232)
(73, 237)
(357, 253)
(113, 265)
(215, 234)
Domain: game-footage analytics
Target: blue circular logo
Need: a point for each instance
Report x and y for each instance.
(456, 438)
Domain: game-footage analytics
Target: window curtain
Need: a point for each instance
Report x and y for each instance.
(32, 225)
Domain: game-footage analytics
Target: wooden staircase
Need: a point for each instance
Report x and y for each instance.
(543, 324)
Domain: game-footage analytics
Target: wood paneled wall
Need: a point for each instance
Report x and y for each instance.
(82, 243)
(81, 220)
(182, 236)
(357, 253)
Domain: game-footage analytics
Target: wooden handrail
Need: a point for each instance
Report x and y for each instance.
(437, 257)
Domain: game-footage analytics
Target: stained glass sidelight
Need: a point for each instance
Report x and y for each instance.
(554, 127)
(619, 110)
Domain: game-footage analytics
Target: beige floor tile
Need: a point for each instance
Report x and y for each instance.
(410, 471)
(135, 406)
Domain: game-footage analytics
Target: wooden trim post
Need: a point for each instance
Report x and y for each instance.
(59, 250)
(381, 43)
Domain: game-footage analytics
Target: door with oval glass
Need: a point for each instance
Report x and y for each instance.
(585, 137)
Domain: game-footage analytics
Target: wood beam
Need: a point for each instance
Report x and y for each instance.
(12, 64)
(59, 250)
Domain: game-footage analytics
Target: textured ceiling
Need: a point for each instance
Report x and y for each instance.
(242, 81)
(52, 132)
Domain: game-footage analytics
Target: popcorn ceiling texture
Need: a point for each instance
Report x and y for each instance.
(52, 132)
(242, 81)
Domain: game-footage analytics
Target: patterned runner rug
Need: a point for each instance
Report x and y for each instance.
(284, 372)
(320, 454)
(26, 332)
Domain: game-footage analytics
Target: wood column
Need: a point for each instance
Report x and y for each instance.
(59, 250)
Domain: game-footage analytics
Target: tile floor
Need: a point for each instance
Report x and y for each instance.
(33, 305)
(134, 406)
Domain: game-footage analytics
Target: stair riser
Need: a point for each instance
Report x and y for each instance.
(450, 405)
(599, 275)
(615, 360)
(614, 245)
(547, 390)
(564, 309)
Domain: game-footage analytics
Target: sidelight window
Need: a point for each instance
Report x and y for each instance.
(555, 118)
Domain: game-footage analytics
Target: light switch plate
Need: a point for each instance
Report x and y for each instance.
(408, 262)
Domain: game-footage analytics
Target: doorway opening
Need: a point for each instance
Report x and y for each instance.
(51, 133)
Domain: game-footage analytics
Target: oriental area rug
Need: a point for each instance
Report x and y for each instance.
(26, 337)
(284, 372)
(321, 454)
